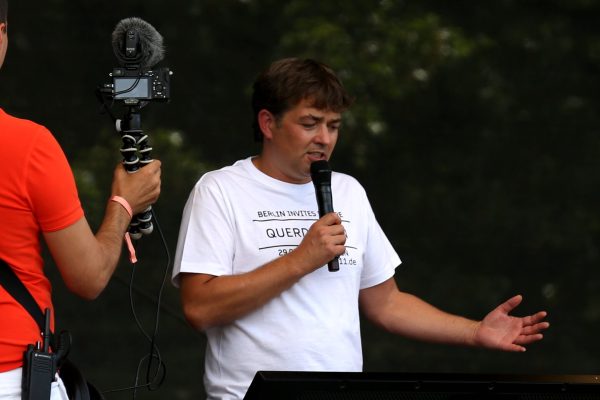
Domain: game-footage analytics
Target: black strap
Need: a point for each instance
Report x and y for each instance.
(77, 387)
(17, 289)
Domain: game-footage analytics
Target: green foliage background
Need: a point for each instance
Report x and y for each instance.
(475, 132)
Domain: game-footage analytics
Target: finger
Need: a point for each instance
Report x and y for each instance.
(339, 250)
(337, 230)
(152, 168)
(156, 164)
(510, 304)
(332, 218)
(533, 329)
(515, 347)
(535, 318)
(339, 239)
(527, 339)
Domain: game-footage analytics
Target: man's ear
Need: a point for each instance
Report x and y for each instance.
(3, 29)
(266, 121)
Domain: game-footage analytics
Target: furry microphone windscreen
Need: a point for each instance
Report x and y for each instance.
(151, 49)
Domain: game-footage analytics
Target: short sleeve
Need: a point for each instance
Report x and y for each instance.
(206, 236)
(380, 258)
(51, 186)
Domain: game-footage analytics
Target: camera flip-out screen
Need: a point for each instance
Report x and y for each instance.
(132, 87)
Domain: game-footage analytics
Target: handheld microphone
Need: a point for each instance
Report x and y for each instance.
(320, 172)
(136, 43)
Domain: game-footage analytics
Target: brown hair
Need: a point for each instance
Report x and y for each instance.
(288, 81)
(3, 10)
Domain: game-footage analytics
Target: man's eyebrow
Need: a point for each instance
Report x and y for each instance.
(320, 118)
(312, 117)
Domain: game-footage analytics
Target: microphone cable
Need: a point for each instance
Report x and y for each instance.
(138, 46)
(156, 368)
(106, 107)
(133, 85)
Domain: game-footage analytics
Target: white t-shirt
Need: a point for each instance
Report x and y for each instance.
(238, 219)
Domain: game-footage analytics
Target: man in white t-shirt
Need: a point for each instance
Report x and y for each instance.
(252, 252)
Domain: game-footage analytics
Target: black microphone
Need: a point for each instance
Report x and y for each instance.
(320, 171)
(136, 43)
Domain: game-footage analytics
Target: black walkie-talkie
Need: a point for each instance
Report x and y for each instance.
(39, 367)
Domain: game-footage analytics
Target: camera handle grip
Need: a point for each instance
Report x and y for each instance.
(136, 154)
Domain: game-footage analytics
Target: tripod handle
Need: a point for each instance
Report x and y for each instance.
(136, 142)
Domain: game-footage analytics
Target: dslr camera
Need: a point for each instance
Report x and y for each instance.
(138, 48)
(134, 85)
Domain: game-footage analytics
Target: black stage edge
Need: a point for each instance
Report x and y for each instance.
(284, 385)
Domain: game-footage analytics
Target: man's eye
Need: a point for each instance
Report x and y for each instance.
(309, 126)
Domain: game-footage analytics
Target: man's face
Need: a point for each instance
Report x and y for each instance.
(303, 134)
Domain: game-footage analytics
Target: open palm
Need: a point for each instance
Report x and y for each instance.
(499, 330)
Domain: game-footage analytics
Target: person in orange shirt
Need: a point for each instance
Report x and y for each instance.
(38, 195)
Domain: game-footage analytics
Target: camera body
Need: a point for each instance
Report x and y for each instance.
(134, 85)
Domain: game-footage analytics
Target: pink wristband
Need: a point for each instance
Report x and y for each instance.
(124, 203)
(127, 207)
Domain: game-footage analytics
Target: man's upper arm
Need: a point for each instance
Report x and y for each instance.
(70, 248)
(191, 284)
(375, 301)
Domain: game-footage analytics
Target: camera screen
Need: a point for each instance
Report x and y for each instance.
(126, 88)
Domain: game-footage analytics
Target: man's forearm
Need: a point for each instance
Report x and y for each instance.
(217, 300)
(407, 315)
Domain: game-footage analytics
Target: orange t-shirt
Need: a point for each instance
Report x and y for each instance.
(37, 194)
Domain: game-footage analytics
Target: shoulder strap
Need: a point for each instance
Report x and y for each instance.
(17, 289)
(60, 343)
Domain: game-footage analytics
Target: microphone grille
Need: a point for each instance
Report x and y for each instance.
(320, 172)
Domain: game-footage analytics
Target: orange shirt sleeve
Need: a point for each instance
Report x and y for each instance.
(51, 185)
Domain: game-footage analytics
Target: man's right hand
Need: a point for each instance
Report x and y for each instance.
(323, 242)
(141, 188)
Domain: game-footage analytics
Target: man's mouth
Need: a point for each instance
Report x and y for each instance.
(316, 155)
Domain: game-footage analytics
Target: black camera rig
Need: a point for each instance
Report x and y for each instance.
(134, 84)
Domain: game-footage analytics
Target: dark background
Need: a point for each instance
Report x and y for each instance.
(475, 132)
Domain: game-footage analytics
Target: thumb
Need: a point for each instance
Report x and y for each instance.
(511, 304)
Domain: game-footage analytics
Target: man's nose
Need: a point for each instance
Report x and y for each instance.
(323, 136)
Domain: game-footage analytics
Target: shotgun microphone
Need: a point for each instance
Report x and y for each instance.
(137, 42)
(320, 172)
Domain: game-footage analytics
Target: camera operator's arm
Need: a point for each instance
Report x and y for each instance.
(87, 261)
